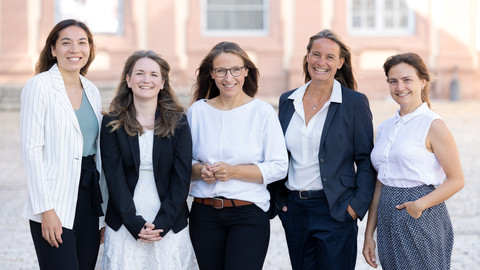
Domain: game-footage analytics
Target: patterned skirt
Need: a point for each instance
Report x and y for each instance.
(408, 243)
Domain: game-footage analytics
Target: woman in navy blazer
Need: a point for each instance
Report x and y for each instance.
(329, 135)
(148, 152)
(60, 123)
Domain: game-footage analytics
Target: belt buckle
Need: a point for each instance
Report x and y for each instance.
(216, 199)
(300, 195)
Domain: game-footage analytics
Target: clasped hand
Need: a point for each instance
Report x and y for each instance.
(219, 171)
(149, 234)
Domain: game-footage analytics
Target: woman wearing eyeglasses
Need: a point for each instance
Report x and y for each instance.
(238, 148)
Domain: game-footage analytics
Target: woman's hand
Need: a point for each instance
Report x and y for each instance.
(206, 173)
(413, 209)
(148, 234)
(52, 228)
(102, 235)
(222, 171)
(352, 212)
(369, 251)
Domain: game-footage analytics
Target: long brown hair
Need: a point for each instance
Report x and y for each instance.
(169, 111)
(416, 62)
(205, 86)
(46, 59)
(345, 74)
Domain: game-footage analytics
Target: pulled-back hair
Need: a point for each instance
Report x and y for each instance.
(345, 74)
(46, 59)
(416, 62)
(169, 111)
(205, 86)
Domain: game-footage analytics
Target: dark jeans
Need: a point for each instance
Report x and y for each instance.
(315, 240)
(229, 238)
(80, 246)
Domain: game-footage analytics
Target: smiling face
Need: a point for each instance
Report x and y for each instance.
(405, 85)
(145, 79)
(71, 49)
(229, 85)
(324, 60)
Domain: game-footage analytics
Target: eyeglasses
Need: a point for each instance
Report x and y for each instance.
(222, 72)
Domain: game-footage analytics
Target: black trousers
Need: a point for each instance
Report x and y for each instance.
(230, 238)
(80, 246)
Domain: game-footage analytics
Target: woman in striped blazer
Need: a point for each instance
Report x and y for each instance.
(60, 119)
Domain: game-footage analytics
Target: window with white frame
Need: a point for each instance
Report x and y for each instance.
(235, 17)
(381, 17)
(102, 17)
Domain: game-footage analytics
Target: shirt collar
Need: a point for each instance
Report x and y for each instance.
(419, 111)
(336, 96)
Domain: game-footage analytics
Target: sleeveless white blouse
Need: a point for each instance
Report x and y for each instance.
(400, 156)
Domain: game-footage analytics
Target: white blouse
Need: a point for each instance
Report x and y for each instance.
(249, 134)
(400, 156)
(303, 141)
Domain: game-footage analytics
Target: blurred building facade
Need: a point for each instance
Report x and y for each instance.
(274, 33)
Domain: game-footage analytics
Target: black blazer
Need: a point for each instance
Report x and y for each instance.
(348, 176)
(172, 165)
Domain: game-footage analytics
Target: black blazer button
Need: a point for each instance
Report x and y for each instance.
(324, 179)
(322, 160)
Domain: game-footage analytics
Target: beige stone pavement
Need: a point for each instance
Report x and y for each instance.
(16, 247)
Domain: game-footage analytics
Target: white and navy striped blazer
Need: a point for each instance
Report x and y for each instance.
(52, 145)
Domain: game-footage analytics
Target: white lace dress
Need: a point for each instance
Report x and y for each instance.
(122, 251)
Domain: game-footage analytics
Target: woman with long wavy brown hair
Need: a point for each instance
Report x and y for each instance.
(146, 144)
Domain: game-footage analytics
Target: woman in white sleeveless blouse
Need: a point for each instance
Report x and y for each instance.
(418, 168)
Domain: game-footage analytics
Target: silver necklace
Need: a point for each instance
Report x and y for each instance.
(316, 105)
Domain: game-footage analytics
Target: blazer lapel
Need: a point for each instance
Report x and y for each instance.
(89, 89)
(286, 114)
(62, 96)
(157, 148)
(135, 149)
(328, 121)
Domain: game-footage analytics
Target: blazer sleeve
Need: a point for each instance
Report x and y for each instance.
(179, 186)
(278, 190)
(34, 106)
(119, 193)
(363, 145)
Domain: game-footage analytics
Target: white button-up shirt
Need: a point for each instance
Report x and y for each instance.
(303, 141)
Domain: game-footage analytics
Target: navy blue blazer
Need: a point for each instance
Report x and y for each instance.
(348, 176)
(172, 166)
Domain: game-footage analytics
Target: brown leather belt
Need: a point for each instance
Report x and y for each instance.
(219, 203)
